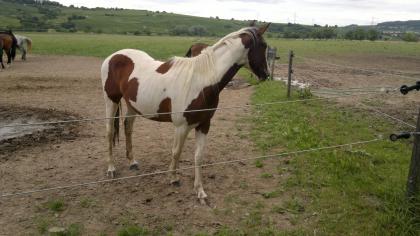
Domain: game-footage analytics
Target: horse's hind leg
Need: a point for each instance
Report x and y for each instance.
(201, 138)
(128, 129)
(1, 58)
(111, 109)
(23, 50)
(9, 57)
(181, 133)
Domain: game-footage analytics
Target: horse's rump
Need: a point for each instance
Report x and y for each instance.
(6, 40)
(29, 43)
(9, 43)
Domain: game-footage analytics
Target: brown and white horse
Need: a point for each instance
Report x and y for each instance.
(149, 86)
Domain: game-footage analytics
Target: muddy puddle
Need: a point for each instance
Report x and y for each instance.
(15, 133)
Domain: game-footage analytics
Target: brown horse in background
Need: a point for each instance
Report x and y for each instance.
(196, 48)
(8, 43)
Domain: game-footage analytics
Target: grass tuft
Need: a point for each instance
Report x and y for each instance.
(56, 205)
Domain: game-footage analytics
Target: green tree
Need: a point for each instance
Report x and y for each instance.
(372, 34)
(410, 37)
(198, 30)
(179, 30)
(355, 34)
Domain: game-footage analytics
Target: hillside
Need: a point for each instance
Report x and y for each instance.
(400, 26)
(29, 15)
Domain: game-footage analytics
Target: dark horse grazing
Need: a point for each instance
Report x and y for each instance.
(8, 43)
(174, 87)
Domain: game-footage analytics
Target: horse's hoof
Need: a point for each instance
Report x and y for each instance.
(203, 201)
(134, 166)
(202, 196)
(176, 182)
(111, 174)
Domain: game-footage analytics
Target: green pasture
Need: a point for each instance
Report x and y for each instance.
(101, 45)
(348, 191)
(358, 190)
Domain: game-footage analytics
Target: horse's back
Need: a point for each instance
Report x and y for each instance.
(136, 57)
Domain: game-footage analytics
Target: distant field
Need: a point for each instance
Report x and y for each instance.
(320, 48)
(101, 45)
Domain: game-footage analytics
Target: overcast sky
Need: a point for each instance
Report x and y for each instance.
(332, 12)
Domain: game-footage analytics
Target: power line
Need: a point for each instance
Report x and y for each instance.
(28, 192)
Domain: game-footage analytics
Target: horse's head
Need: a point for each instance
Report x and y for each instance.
(257, 51)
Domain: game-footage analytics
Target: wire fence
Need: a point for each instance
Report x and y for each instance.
(96, 182)
(333, 94)
(189, 111)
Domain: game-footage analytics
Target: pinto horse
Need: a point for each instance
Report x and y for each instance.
(24, 44)
(170, 91)
(8, 44)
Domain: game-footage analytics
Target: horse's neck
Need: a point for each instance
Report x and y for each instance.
(229, 59)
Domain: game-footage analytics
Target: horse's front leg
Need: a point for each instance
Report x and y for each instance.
(111, 109)
(201, 138)
(128, 128)
(181, 133)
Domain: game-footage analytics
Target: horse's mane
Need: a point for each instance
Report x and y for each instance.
(204, 63)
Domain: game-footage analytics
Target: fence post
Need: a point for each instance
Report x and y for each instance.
(273, 61)
(414, 171)
(289, 78)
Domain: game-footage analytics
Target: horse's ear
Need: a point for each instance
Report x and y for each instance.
(262, 29)
(252, 23)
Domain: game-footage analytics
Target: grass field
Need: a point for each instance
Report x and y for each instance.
(351, 191)
(101, 45)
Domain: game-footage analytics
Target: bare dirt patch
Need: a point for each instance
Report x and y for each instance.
(71, 85)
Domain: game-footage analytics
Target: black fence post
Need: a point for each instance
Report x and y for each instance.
(414, 171)
(289, 78)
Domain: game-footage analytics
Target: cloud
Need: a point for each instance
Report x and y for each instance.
(254, 1)
(332, 12)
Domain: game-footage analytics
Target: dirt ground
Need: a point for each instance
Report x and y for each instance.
(71, 86)
(55, 87)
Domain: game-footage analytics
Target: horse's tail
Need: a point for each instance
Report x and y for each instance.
(116, 136)
(29, 43)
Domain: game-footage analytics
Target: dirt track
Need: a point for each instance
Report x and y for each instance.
(72, 85)
(370, 73)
